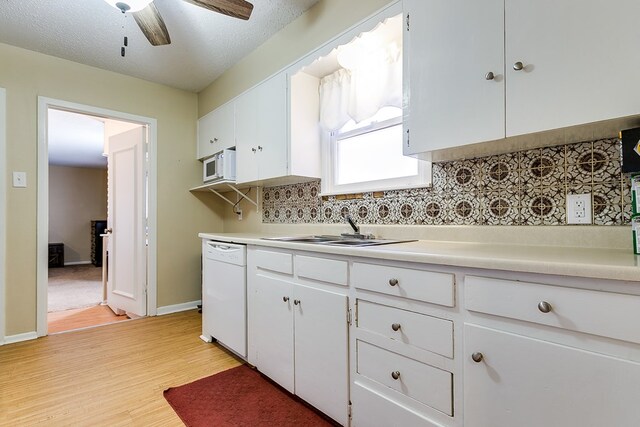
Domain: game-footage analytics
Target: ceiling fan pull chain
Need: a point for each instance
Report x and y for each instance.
(126, 41)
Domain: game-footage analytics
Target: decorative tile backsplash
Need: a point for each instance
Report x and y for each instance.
(523, 188)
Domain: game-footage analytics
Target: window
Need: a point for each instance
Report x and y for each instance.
(361, 116)
(368, 156)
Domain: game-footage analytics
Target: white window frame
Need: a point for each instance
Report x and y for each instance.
(329, 163)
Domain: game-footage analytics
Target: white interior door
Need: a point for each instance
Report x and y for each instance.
(127, 272)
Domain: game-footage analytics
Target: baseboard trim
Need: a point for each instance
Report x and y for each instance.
(20, 337)
(77, 263)
(175, 308)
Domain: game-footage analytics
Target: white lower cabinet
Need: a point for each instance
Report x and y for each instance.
(526, 382)
(300, 337)
(377, 410)
(432, 346)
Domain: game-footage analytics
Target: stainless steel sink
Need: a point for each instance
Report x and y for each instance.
(335, 240)
(303, 239)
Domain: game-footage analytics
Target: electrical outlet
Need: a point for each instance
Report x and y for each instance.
(239, 214)
(579, 208)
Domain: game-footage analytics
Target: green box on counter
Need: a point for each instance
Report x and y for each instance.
(635, 194)
(635, 230)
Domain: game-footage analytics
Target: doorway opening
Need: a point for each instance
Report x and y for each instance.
(96, 217)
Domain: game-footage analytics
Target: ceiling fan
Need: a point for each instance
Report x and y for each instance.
(152, 25)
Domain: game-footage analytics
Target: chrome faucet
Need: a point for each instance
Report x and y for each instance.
(356, 230)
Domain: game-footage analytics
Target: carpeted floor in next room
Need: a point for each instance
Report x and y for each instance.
(74, 297)
(74, 286)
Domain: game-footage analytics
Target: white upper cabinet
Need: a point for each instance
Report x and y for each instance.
(269, 144)
(450, 47)
(553, 64)
(216, 131)
(261, 132)
(580, 62)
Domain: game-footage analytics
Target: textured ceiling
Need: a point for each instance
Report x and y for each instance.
(77, 140)
(203, 43)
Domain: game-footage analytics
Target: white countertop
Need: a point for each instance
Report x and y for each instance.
(613, 264)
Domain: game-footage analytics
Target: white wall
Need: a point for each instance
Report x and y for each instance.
(76, 197)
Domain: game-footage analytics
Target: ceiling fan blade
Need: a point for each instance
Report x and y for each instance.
(237, 8)
(152, 25)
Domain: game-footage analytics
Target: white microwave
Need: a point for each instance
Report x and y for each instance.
(220, 166)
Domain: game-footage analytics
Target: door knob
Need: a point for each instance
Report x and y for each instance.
(489, 76)
(518, 66)
(108, 231)
(477, 357)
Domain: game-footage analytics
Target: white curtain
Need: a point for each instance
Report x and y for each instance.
(373, 80)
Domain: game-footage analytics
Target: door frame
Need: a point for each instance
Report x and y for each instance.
(42, 280)
(3, 208)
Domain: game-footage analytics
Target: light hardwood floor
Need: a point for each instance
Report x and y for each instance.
(112, 375)
(68, 320)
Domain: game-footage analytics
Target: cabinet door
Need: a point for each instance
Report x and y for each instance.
(216, 131)
(526, 382)
(261, 137)
(272, 140)
(274, 329)
(449, 47)
(581, 62)
(247, 137)
(321, 355)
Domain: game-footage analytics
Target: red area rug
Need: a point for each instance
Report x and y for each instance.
(241, 397)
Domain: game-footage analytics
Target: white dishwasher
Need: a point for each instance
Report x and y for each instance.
(224, 295)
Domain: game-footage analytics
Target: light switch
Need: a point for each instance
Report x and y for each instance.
(20, 179)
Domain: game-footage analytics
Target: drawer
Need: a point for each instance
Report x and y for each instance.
(323, 269)
(414, 329)
(429, 286)
(593, 312)
(275, 261)
(419, 381)
(371, 409)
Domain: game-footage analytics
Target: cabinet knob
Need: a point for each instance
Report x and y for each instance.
(393, 282)
(213, 140)
(518, 66)
(395, 375)
(489, 76)
(254, 150)
(544, 306)
(477, 357)
(296, 302)
(259, 147)
(285, 299)
(395, 327)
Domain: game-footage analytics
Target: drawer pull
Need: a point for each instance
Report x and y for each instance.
(477, 357)
(285, 299)
(395, 327)
(544, 306)
(393, 282)
(395, 375)
(296, 302)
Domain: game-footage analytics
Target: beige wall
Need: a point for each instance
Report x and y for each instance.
(321, 23)
(181, 215)
(77, 196)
